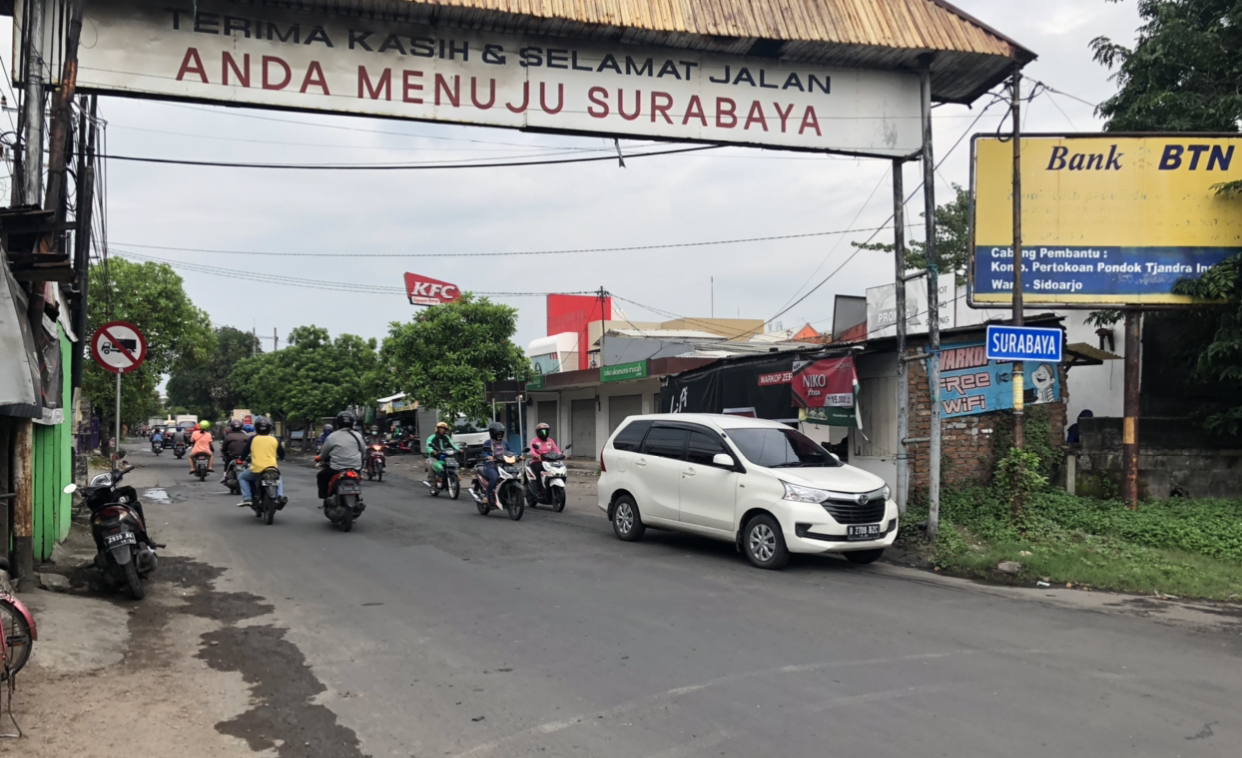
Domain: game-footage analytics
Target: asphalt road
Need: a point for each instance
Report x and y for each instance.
(432, 631)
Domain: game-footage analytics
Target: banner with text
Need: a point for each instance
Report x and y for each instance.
(267, 56)
(971, 384)
(1105, 220)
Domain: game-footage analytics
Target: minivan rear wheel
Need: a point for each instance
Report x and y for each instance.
(626, 523)
(764, 543)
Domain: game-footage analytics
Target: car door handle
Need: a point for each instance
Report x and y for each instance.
(640, 462)
(687, 472)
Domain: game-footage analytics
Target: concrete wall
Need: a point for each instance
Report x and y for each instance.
(1163, 473)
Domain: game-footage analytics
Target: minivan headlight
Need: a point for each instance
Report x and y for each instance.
(800, 494)
(886, 492)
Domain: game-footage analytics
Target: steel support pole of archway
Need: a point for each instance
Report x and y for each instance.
(902, 489)
(933, 307)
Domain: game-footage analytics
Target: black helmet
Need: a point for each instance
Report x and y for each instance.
(262, 425)
(345, 420)
(496, 430)
(235, 425)
(542, 431)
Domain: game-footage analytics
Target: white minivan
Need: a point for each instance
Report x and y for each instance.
(760, 484)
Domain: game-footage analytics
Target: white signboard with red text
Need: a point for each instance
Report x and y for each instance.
(424, 290)
(268, 56)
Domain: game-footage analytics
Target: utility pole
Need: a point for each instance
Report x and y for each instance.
(254, 341)
(903, 388)
(33, 107)
(275, 340)
(933, 305)
(1019, 368)
(82, 235)
(603, 325)
(713, 297)
(1130, 408)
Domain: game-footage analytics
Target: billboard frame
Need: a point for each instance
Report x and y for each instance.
(1078, 306)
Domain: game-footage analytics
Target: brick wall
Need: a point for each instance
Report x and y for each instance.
(967, 441)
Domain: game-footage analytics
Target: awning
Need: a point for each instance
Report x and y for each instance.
(20, 393)
(1082, 354)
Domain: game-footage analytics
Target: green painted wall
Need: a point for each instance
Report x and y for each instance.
(53, 469)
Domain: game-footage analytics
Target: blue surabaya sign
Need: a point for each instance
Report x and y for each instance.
(1023, 343)
(970, 383)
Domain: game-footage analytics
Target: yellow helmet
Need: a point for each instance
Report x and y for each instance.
(442, 425)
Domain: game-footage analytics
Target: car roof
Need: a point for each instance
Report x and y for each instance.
(719, 420)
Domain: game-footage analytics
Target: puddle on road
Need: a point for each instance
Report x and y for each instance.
(158, 495)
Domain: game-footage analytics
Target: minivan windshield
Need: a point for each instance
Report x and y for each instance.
(464, 426)
(781, 448)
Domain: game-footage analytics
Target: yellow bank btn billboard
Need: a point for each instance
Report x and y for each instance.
(1105, 220)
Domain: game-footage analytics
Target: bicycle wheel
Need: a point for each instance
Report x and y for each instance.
(17, 642)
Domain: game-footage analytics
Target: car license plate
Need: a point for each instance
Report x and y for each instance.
(124, 538)
(864, 532)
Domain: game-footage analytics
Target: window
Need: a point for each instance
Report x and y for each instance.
(665, 442)
(703, 448)
(631, 436)
(781, 448)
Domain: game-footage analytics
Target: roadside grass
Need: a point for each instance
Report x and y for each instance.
(1188, 548)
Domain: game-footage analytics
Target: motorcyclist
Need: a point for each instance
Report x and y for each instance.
(439, 444)
(202, 442)
(157, 439)
(541, 444)
(342, 451)
(248, 428)
(232, 445)
(179, 436)
(263, 450)
(494, 447)
(327, 430)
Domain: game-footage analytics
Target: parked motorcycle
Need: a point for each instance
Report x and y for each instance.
(125, 552)
(266, 499)
(551, 490)
(179, 449)
(403, 446)
(344, 504)
(18, 632)
(375, 461)
(202, 463)
(508, 493)
(449, 480)
(230, 476)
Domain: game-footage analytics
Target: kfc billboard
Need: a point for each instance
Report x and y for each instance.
(426, 291)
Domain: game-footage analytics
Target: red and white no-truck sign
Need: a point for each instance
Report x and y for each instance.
(119, 347)
(427, 291)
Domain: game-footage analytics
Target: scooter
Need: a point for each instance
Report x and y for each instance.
(126, 553)
(230, 476)
(550, 491)
(157, 447)
(179, 449)
(449, 480)
(375, 461)
(344, 504)
(266, 499)
(508, 494)
(402, 446)
(202, 463)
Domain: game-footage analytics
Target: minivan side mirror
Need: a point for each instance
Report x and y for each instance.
(722, 460)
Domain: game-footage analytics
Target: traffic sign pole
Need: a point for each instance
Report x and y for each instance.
(116, 463)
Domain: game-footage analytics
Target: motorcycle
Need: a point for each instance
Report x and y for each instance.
(179, 449)
(125, 551)
(344, 504)
(266, 498)
(230, 476)
(508, 488)
(402, 446)
(551, 490)
(202, 462)
(449, 480)
(157, 448)
(17, 630)
(375, 461)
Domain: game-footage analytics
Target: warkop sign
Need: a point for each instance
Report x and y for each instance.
(274, 57)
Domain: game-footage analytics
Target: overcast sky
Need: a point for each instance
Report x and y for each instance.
(723, 194)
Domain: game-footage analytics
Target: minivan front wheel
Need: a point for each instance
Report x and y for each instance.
(764, 543)
(626, 523)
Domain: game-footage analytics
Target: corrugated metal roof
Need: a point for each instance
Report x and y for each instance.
(969, 56)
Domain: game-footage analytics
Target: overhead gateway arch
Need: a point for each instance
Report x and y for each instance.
(822, 75)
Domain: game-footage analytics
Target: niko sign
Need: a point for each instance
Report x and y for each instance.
(426, 291)
(363, 63)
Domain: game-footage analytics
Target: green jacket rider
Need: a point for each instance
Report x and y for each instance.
(438, 443)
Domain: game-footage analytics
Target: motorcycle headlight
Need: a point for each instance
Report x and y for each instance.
(799, 494)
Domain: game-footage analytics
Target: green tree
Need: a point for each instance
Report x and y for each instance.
(1184, 74)
(315, 376)
(952, 239)
(443, 357)
(205, 387)
(152, 297)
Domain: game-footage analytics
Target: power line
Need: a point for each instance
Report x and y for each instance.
(398, 166)
(573, 251)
